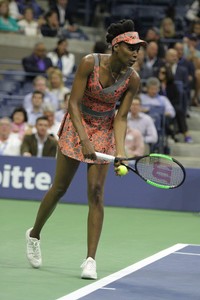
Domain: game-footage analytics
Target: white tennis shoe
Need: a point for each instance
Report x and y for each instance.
(89, 269)
(33, 250)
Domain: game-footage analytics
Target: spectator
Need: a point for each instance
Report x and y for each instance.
(143, 122)
(37, 9)
(134, 143)
(152, 98)
(54, 125)
(193, 13)
(64, 14)
(153, 35)
(56, 86)
(37, 108)
(100, 47)
(19, 122)
(168, 32)
(40, 143)
(64, 106)
(14, 10)
(29, 26)
(180, 74)
(169, 88)
(7, 23)
(62, 58)
(40, 84)
(9, 143)
(189, 65)
(37, 62)
(51, 26)
(151, 62)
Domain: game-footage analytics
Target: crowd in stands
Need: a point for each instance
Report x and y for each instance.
(169, 68)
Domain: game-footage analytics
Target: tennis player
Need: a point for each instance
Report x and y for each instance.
(91, 125)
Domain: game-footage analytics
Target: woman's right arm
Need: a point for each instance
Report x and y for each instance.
(84, 70)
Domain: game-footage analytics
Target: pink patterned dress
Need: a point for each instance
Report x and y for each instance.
(98, 112)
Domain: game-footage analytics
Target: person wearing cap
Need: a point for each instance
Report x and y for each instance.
(91, 124)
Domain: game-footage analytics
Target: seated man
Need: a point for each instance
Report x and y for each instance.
(142, 122)
(39, 144)
(152, 98)
(37, 62)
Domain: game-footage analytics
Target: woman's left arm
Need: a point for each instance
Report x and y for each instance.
(120, 123)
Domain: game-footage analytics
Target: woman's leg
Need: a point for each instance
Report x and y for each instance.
(96, 180)
(65, 169)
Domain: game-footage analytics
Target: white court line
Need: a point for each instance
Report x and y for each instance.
(126, 271)
(187, 253)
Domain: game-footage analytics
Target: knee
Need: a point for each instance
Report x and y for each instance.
(58, 190)
(95, 195)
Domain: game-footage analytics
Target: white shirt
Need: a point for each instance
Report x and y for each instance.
(158, 100)
(11, 146)
(145, 125)
(30, 29)
(68, 62)
(40, 145)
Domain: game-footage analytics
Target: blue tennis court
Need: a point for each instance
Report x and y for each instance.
(171, 274)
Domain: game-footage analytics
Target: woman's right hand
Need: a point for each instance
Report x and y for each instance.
(88, 149)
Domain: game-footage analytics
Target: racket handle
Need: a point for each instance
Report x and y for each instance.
(104, 156)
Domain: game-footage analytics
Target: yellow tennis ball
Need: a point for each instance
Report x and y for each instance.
(122, 170)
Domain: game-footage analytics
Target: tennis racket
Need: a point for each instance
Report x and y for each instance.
(159, 170)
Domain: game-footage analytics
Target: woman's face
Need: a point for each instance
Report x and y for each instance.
(28, 15)
(62, 47)
(127, 53)
(4, 9)
(18, 117)
(162, 74)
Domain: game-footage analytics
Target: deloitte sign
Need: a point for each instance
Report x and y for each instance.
(25, 178)
(16, 178)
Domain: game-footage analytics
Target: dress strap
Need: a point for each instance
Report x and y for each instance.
(96, 59)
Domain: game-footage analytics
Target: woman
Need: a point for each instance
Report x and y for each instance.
(7, 23)
(62, 58)
(91, 125)
(169, 88)
(19, 123)
(56, 85)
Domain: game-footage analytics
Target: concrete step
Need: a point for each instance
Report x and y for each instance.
(188, 162)
(194, 120)
(183, 149)
(195, 134)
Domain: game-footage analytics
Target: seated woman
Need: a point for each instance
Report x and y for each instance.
(7, 23)
(19, 124)
(29, 26)
(56, 85)
(62, 58)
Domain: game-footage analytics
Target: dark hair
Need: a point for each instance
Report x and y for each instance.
(38, 92)
(61, 40)
(100, 47)
(120, 27)
(22, 110)
(49, 14)
(42, 118)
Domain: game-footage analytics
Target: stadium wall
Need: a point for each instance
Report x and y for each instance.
(24, 178)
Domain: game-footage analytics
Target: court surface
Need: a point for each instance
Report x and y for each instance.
(130, 238)
(173, 273)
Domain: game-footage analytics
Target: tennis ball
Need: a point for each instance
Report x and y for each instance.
(122, 170)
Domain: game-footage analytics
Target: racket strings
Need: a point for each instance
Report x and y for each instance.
(161, 171)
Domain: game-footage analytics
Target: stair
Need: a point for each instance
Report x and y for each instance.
(188, 154)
